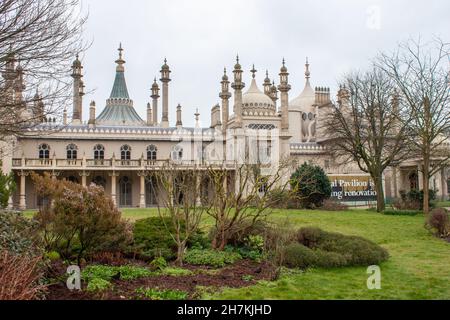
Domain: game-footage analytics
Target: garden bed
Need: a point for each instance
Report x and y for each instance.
(240, 274)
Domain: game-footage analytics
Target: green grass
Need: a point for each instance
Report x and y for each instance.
(443, 204)
(418, 267)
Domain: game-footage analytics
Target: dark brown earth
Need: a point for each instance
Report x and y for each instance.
(230, 276)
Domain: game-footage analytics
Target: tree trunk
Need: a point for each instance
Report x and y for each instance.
(380, 194)
(180, 254)
(426, 186)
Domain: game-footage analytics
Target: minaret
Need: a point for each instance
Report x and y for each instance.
(149, 115)
(9, 75)
(284, 88)
(155, 96)
(274, 93)
(267, 85)
(179, 123)
(19, 87)
(237, 85)
(77, 91)
(165, 79)
(91, 121)
(225, 95)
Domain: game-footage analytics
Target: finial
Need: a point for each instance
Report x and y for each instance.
(307, 73)
(120, 50)
(267, 73)
(283, 62)
(237, 58)
(224, 70)
(165, 60)
(253, 71)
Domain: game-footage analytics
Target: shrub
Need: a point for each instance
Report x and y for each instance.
(355, 250)
(152, 239)
(439, 221)
(158, 294)
(98, 285)
(311, 184)
(18, 234)
(7, 188)
(212, 258)
(79, 220)
(333, 205)
(283, 199)
(413, 199)
(20, 276)
(297, 255)
(240, 232)
(401, 212)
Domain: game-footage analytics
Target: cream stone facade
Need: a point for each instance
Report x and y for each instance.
(119, 150)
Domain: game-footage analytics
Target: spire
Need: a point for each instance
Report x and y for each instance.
(120, 62)
(119, 89)
(253, 71)
(307, 73)
(197, 118)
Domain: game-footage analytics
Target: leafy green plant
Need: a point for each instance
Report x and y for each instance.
(159, 263)
(18, 234)
(212, 258)
(247, 277)
(98, 285)
(53, 256)
(160, 294)
(176, 272)
(125, 272)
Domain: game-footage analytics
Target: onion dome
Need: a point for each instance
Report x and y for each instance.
(237, 66)
(119, 108)
(254, 100)
(305, 101)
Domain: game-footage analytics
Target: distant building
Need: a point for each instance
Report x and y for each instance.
(119, 150)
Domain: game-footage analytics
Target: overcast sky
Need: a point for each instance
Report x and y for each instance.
(201, 37)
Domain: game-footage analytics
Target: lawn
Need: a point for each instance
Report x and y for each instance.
(418, 267)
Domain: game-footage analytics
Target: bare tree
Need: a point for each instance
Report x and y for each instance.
(365, 126)
(421, 72)
(180, 201)
(39, 39)
(241, 201)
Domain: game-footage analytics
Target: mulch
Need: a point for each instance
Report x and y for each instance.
(240, 274)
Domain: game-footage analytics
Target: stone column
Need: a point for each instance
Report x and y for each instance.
(22, 199)
(113, 176)
(142, 190)
(83, 175)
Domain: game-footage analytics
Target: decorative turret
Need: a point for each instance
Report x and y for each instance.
(225, 95)
(165, 79)
(38, 108)
(284, 88)
(267, 84)
(149, 115)
(155, 96)
(215, 116)
(237, 85)
(119, 107)
(274, 93)
(78, 91)
(179, 123)
(19, 86)
(91, 121)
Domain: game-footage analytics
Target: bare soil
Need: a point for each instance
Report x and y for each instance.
(240, 274)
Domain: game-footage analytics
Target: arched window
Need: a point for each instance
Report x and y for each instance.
(177, 153)
(44, 151)
(71, 152)
(99, 152)
(151, 152)
(125, 192)
(99, 181)
(125, 152)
